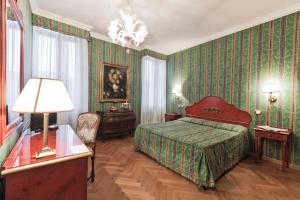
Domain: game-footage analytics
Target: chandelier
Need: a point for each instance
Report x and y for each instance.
(127, 31)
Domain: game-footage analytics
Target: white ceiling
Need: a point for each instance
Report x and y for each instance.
(173, 25)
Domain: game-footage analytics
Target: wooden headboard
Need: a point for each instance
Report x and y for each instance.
(216, 109)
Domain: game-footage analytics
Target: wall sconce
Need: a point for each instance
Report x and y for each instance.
(177, 94)
(177, 91)
(178, 101)
(271, 87)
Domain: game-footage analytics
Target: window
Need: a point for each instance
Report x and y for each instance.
(153, 90)
(63, 57)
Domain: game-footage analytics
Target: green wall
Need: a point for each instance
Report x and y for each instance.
(235, 68)
(26, 11)
(102, 51)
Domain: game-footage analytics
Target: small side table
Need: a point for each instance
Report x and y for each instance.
(172, 116)
(283, 136)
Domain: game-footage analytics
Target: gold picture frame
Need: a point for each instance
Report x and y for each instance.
(114, 80)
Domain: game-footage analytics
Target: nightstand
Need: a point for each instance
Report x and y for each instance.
(284, 136)
(172, 116)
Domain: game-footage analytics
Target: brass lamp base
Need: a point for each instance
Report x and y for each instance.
(46, 151)
(272, 98)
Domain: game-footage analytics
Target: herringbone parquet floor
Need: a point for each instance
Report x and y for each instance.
(123, 174)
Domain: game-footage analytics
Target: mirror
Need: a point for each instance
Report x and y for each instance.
(12, 71)
(13, 63)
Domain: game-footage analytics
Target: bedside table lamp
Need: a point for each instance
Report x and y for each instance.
(41, 95)
(271, 87)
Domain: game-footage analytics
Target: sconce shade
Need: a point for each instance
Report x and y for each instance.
(177, 94)
(271, 87)
(177, 90)
(41, 95)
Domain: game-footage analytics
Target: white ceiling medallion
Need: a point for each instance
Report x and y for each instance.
(127, 31)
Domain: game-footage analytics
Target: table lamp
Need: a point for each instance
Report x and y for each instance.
(42, 95)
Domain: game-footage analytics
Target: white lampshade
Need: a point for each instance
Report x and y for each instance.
(42, 95)
(271, 87)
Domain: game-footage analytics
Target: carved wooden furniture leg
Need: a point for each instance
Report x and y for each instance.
(93, 165)
(256, 149)
(287, 154)
(283, 147)
(260, 140)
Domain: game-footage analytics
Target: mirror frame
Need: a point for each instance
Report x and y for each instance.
(6, 130)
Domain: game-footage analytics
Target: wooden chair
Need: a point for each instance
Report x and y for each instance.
(86, 129)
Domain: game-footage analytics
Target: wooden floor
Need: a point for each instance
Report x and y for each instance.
(122, 173)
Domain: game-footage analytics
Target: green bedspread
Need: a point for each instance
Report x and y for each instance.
(198, 149)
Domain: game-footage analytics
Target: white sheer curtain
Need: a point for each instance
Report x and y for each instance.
(13, 42)
(63, 57)
(153, 90)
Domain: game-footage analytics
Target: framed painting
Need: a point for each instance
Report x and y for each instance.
(114, 83)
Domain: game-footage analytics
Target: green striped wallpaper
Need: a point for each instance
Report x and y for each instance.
(235, 68)
(153, 54)
(102, 51)
(57, 26)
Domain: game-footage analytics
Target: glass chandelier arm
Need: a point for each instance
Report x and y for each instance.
(128, 30)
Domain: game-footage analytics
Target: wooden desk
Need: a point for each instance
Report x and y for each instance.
(284, 137)
(61, 176)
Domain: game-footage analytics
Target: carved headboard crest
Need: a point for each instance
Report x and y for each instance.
(212, 109)
(216, 109)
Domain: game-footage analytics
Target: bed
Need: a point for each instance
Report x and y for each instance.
(210, 140)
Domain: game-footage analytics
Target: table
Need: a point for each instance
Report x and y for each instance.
(172, 116)
(61, 176)
(283, 136)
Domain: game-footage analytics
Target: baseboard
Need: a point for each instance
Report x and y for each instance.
(277, 162)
